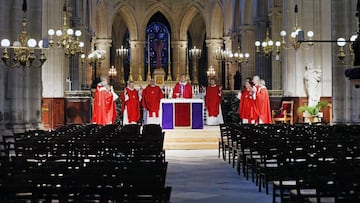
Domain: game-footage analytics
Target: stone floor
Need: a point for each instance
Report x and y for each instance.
(199, 176)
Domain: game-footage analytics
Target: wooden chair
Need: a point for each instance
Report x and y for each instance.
(285, 113)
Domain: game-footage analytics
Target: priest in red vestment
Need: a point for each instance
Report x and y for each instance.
(104, 109)
(130, 104)
(247, 104)
(213, 95)
(263, 104)
(151, 97)
(182, 89)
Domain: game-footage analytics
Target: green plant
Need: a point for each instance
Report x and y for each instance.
(313, 110)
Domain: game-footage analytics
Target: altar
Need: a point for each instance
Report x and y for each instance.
(182, 113)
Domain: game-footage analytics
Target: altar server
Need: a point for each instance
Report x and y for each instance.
(131, 104)
(213, 95)
(247, 104)
(151, 97)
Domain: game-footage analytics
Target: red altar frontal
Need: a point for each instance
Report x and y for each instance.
(186, 113)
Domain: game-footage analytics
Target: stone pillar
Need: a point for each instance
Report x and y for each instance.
(229, 66)
(136, 60)
(213, 45)
(137, 64)
(103, 69)
(179, 62)
(5, 33)
(346, 98)
(247, 45)
(275, 15)
(15, 78)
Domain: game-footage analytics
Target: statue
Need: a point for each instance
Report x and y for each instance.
(312, 83)
(158, 45)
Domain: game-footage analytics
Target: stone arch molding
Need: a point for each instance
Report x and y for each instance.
(187, 19)
(163, 9)
(128, 17)
(217, 23)
(103, 30)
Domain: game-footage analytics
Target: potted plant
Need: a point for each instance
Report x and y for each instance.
(312, 113)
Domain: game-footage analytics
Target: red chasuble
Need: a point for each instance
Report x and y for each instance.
(104, 111)
(185, 89)
(247, 106)
(132, 104)
(151, 96)
(213, 100)
(263, 105)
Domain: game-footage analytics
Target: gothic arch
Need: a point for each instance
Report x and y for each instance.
(228, 17)
(128, 17)
(217, 24)
(102, 26)
(163, 10)
(186, 21)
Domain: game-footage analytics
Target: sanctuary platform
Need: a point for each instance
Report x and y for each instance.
(185, 138)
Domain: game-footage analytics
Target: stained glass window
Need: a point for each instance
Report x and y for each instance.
(157, 46)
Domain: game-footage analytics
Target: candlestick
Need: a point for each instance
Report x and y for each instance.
(187, 65)
(169, 65)
(149, 60)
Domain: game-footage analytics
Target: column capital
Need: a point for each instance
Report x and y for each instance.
(227, 39)
(214, 42)
(103, 42)
(245, 28)
(179, 44)
(275, 11)
(135, 43)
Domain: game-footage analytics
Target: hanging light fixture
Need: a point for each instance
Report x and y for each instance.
(22, 52)
(268, 46)
(66, 37)
(296, 35)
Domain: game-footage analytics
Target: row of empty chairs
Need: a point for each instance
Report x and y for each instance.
(85, 163)
(304, 163)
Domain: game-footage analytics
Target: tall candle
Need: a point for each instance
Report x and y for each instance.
(148, 43)
(168, 50)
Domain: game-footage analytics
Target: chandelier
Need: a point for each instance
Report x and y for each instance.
(296, 35)
(123, 52)
(195, 54)
(95, 57)
(66, 37)
(229, 57)
(268, 45)
(24, 48)
(211, 72)
(112, 72)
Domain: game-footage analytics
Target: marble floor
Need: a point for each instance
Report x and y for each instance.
(199, 176)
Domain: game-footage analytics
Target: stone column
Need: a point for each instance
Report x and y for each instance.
(137, 60)
(133, 72)
(228, 64)
(247, 46)
(5, 33)
(103, 69)
(179, 49)
(275, 16)
(346, 98)
(213, 45)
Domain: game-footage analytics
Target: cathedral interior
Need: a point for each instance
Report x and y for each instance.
(56, 52)
(46, 85)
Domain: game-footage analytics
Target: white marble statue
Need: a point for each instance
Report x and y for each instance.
(312, 83)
